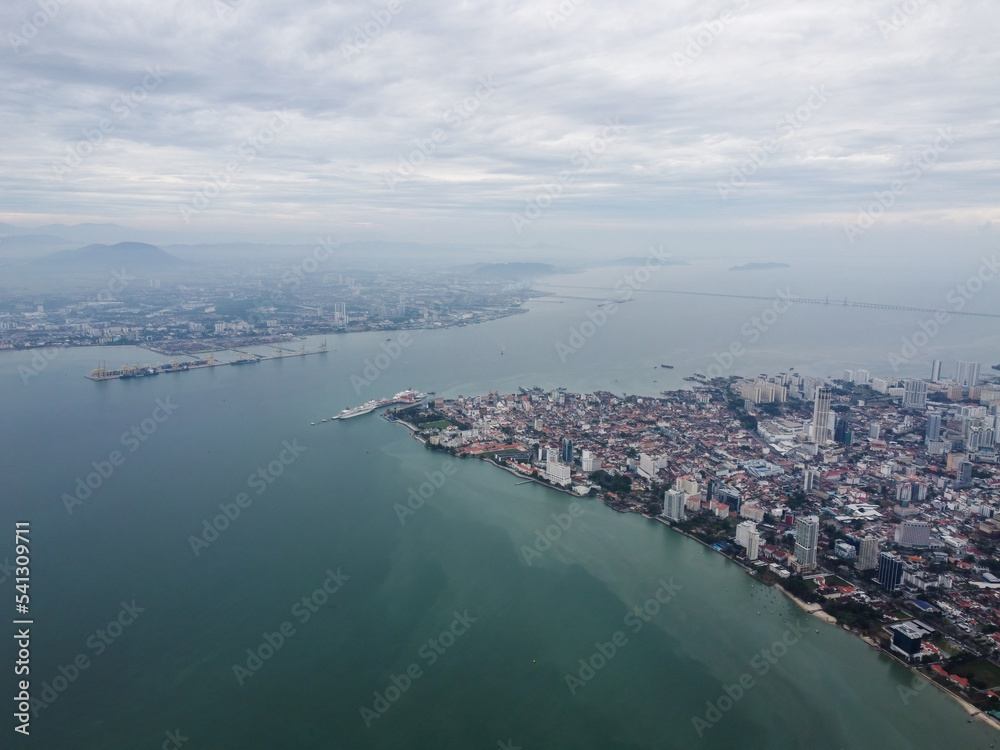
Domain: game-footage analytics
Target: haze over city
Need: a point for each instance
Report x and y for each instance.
(505, 375)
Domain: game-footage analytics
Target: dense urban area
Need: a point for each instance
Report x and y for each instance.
(247, 308)
(870, 500)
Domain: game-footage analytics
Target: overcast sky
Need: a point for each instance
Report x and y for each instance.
(456, 121)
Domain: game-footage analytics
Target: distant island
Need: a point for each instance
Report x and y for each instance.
(759, 266)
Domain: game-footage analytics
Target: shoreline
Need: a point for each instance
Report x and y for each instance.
(815, 609)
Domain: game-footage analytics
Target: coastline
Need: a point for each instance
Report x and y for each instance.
(814, 609)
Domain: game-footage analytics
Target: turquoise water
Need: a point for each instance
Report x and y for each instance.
(332, 509)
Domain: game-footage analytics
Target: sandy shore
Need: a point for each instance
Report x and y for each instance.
(813, 609)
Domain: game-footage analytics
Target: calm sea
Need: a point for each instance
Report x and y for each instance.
(437, 625)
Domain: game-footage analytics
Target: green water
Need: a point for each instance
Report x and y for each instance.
(503, 678)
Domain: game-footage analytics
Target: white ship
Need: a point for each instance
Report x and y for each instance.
(403, 397)
(365, 408)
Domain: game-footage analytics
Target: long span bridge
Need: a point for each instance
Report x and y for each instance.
(796, 300)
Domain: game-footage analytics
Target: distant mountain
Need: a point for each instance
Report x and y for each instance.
(759, 266)
(130, 255)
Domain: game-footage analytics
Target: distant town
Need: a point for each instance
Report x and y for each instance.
(872, 501)
(135, 294)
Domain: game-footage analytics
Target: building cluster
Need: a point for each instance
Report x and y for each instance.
(243, 309)
(891, 484)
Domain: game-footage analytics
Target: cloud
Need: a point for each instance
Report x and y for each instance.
(695, 86)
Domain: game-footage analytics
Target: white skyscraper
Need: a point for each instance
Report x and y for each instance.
(821, 415)
(673, 505)
(913, 534)
(753, 545)
(967, 374)
(743, 530)
(806, 539)
(868, 555)
(915, 394)
(936, 370)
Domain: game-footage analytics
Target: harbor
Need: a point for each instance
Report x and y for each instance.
(126, 372)
(408, 397)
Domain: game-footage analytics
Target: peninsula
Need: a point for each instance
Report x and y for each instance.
(870, 501)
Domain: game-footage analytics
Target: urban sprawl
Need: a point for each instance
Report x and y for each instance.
(871, 499)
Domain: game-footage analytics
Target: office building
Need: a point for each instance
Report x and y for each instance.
(753, 545)
(743, 530)
(913, 534)
(933, 430)
(589, 462)
(907, 637)
(809, 479)
(806, 539)
(842, 431)
(566, 451)
(904, 493)
(967, 374)
(557, 473)
(964, 472)
(874, 430)
(821, 415)
(673, 505)
(868, 554)
(915, 394)
(936, 371)
(890, 571)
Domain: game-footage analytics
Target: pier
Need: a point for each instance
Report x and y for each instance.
(126, 372)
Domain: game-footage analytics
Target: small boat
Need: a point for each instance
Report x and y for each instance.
(324, 420)
(667, 367)
(312, 423)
